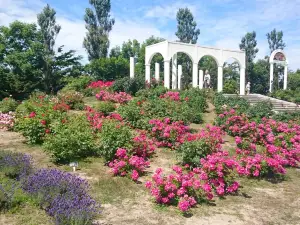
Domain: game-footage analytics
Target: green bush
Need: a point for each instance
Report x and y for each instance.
(77, 83)
(239, 104)
(191, 152)
(70, 141)
(260, 110)
(129, 85)
(196, 99)
(73, 99)
(8, 105)
(287, 116)
(105, 107)
(152, 92)
(114, 135)
(230, 87)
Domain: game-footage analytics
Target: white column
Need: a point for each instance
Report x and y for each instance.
(179, 76)
(271, 76)
(200, 79)
(242, 80)
(195, 75)
(167, 73)
(131, 67)
(285, 77)
(148, 73)
(157, 68)
(174, 71)
(220, 78)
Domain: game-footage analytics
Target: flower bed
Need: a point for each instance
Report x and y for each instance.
(120, 97)
(7, 121)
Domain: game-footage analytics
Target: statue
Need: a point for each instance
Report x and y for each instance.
(206, 80)
(248, 88)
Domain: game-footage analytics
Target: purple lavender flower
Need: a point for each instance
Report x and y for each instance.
(64, 196)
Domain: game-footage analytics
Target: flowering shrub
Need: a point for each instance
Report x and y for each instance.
(101, 84)
(114, 135)
(8, 105)
(143, 146)
(174, 96)
(124, 164)
(73, 99)
(63, 196)
(105, 107)
(15, 165)
(70, 140)
(168, 134)
(7, 121)
(120, 97)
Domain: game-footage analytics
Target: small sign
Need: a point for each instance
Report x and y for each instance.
(74, 165)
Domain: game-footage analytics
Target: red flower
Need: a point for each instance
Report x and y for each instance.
(43, 122)
(32, 115)
(47, 131)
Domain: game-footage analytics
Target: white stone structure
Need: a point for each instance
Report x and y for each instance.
(279, 57)
(132, 64)
(169, 51)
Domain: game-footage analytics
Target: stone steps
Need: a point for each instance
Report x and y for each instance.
(278, 105)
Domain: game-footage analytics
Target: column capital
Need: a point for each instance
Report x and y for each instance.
(221, 66)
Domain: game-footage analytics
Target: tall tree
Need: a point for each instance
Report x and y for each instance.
(187, 31)
(115, 52)
(98, 25)
(275, 40)
(130, 49)
(248, 44)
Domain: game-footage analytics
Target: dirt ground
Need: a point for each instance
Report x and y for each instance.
(124, 202)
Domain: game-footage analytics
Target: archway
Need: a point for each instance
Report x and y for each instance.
(156, 67)
(231, 76)
(278, 58)
(210, 64)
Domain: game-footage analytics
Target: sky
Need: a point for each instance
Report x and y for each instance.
(222, 22)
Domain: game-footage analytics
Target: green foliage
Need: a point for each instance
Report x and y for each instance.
(196, 99)
(105, 107)
(77, 83)
(294, 81)
(239, 104)
(129, 85)
(8, 105)
(260, 110)
(73, 99)
(151, 92)
(191, 152)
(287, 95)
(130, 49)
(230, 87)
(210, 64)
(109, 68)
(70, 141)
(98, 25)
(114, 135)
(287, 116)
(260, 77)
(275, 40)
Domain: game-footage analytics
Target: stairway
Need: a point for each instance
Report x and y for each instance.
(278, 105)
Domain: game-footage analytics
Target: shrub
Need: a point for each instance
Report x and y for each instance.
(7, 195)
(105, 107)
(71, 140)
(73, 99)
(287, 116)
(223, 103)
(121, 97)
(114, 135)
(7, 121)
(101, 84)
(152, 92)
(195, 98)
(8, 105)
(77, 83)
(129, 85)
(230, 87)
(63, 196)
(15, 165)
(260, 110)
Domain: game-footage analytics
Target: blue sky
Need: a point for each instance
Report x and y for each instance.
(222, 22)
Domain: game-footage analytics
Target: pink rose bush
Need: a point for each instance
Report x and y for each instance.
(101, 84)
(174, 96)
(7, 121)
(167, 133)
(143, 146)
(120, 97)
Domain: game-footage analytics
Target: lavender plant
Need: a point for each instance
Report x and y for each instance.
(15, 165)
(7, 193)
(64, 196)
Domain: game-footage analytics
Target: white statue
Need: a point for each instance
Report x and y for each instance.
(248, 88)
(206, 80)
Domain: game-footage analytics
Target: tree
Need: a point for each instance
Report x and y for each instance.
(260, 77)
(98, 25)
(115, 52)
(248, 44)
(20, 59)
(130, 49)
(275, 40)
(186, 26)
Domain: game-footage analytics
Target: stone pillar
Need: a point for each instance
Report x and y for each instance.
(285, 77)
(220, 78)
(242, 80)
(179, 76)
(157, 71)
(271, 76)
(200, 79)
(132, 67)
(195, 75)
(167, 73)
(148, 73)
(174, 71)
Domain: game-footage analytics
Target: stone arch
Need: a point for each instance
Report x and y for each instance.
(184, 52)
(212, 56)
(149, 60)
(278, 56)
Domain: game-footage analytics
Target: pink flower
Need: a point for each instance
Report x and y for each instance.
(184, 205)
(135, 175)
